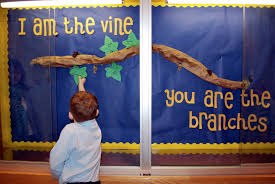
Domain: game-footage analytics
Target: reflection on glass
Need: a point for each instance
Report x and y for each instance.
(40, 92)
(19, 105)
(194, 47)
(258, 69)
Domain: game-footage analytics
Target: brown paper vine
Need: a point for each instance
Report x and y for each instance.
(181, 59)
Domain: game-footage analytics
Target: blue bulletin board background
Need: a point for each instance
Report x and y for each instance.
(50, 89)
(215, 36)
(258, 66)
(212, 36)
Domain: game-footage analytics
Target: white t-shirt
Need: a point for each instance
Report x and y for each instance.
(76, 155)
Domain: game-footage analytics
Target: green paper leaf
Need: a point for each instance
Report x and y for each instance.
(107, 40)
(105, 49)
(108, 72)
(114, 71)
(131, 41)
(117, 76)
(132, 36)
(109, 46)
(114, 46)
(117, 67)
(76, 72)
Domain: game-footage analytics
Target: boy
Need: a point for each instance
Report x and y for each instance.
(76, 156)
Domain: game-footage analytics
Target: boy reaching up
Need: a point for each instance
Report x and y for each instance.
(76, 156)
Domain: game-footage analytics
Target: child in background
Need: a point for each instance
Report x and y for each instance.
(76, 156)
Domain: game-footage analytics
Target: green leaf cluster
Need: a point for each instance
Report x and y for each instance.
(77, 71)
(131, 41)
(109, 46)
(114, 71)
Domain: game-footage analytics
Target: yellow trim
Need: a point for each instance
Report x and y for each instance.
(155, 3)
(163, 3)
(131, 146)
(133, 151)
(32, 146)
(237, 146)
(195, 151)
(8, 154)
(127, 3)
(47, 146)
(4, 82)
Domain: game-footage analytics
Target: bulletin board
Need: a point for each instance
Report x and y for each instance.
(99, 43)
(212, 71)
(212, 74)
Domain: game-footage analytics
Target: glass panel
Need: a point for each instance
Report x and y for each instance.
(29, 85)
(115, 84)
(98, 43)
(258, 99)
(197, 74)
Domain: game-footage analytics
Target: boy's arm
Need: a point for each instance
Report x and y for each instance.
(81, 83)
(60, 152)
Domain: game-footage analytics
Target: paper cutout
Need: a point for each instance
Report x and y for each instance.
(131, 41)
(109, 46)
(114, 71)
(76, 71)
(75, 54)
(187, 62)
(95, 67)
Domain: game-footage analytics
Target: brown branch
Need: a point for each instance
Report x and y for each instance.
(176, 56)
(70, 61)
(196, 67)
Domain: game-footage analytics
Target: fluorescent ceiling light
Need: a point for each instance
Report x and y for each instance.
(43, 3)
(256, 2)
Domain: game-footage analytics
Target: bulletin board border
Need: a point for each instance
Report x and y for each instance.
(162, 147)
(4, 76)
(6, 121)
(8, 153)
(126, 3)
(164, 3)
(155, 3)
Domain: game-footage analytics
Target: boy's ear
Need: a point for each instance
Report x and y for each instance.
(97, 112)
(71, 116)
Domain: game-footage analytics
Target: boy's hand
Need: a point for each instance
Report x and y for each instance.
(81, 82)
